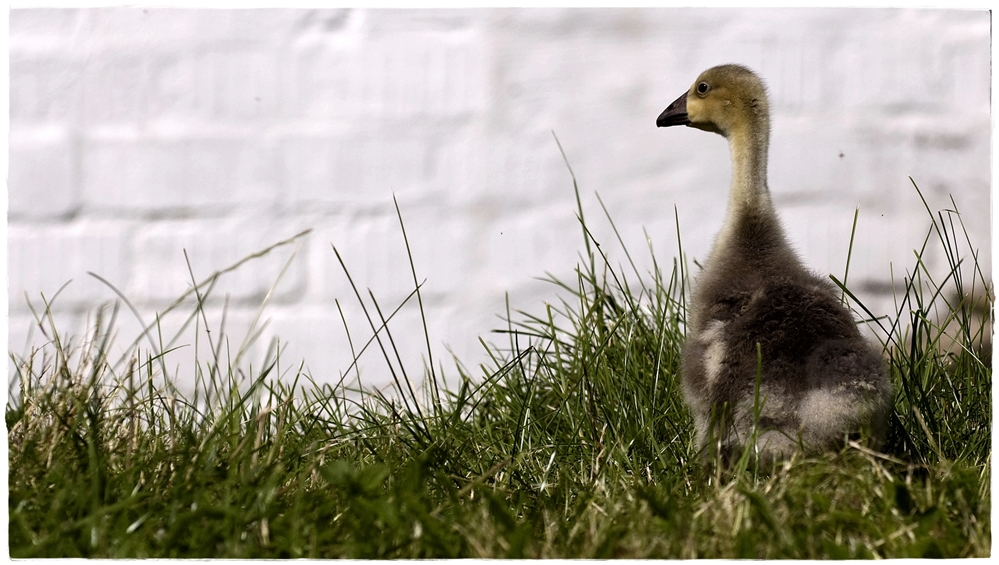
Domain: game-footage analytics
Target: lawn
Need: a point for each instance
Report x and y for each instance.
(572, 442)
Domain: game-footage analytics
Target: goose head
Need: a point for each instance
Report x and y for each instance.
(727, 100)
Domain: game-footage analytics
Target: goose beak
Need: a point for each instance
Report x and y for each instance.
(675, 114)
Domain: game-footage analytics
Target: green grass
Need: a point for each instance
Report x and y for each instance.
(573, 442)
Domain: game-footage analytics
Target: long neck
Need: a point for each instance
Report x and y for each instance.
(748, 147)
(749, 195)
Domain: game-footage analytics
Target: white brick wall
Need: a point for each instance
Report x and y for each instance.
(137, 133)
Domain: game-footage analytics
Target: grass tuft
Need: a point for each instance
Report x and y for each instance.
(573, 442)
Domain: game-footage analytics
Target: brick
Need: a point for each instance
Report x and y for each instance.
(317, 338)
(520, 171)
(187, 348)
(420, 75)
(469, 322)
(821, 234)
(163, 27)
(151, 175)
(374, 252)
(437, 21)
(44, 24)
(353, 169)
(173, 87)
(965, 70)
(114, 89)
(325, 22)
(640, 223)
(42, 258)
(44, 88)
(321, 82)
(809, 161)
(42, 173)
(517, 248)
(160, 275)
(239, 84)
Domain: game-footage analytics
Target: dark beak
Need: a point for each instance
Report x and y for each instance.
(675, 114)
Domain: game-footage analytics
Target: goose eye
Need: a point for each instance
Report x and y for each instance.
(702, 88)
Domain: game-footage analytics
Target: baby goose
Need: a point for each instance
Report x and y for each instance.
(756, 310)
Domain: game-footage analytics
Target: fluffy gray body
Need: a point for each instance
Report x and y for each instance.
(759, 318)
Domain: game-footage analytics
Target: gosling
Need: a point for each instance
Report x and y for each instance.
(773, 361)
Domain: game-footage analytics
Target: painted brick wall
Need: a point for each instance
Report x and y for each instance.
(136, 134)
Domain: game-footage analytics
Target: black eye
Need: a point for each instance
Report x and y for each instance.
(702, 88)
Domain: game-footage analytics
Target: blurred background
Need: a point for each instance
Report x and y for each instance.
(137, 134)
